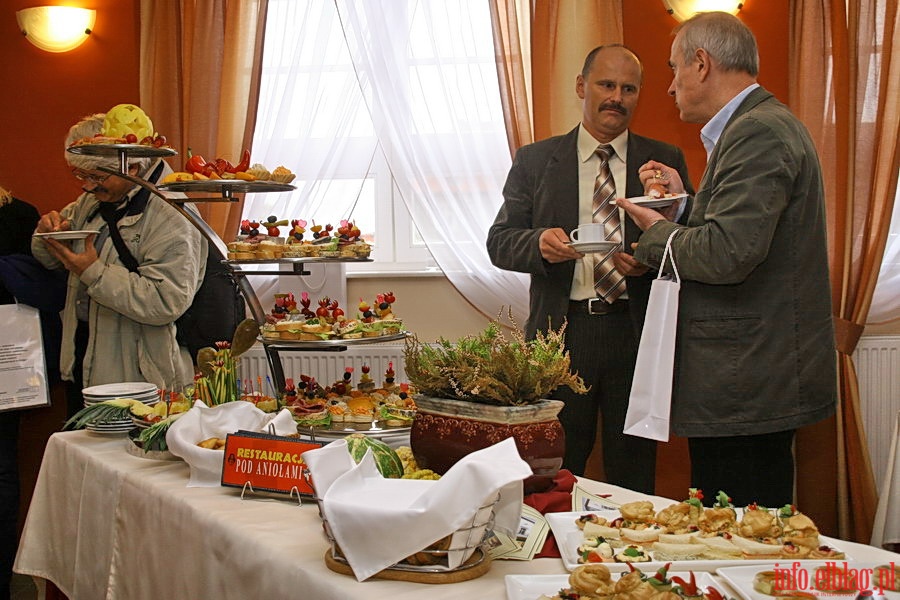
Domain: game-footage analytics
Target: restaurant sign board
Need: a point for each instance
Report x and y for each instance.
(266, 463)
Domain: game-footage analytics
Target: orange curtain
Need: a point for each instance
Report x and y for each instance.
(562, 33)
(511, 23)
(200, 67)
(856, 127)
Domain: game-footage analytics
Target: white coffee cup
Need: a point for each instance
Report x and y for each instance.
(588, 232)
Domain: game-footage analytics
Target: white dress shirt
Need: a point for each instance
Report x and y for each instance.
(588, 165)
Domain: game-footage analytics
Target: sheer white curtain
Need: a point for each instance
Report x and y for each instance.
(442, 130)
(360, 90)
(886, 298)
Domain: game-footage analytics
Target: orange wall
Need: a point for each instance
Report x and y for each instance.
(648, 29)
(45, 93)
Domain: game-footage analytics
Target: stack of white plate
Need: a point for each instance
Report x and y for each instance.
(142, 391)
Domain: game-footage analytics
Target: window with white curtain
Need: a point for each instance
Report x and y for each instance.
(886, 296)
(316, 117)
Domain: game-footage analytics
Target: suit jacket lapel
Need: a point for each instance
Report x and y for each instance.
(561, 181)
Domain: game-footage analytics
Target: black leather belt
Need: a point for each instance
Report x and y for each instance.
(598, 306)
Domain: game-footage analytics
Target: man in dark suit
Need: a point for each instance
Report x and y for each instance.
(549, 191)
(755, 355)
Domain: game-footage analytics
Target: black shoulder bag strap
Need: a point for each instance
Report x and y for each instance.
(134, 206)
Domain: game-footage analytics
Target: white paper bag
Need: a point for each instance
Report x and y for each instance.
(651, 389)
(24, 374)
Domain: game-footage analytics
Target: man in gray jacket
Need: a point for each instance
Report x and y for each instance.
(548, 193)
(755, 355)
(119, 325)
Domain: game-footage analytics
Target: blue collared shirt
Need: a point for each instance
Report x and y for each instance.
(712, 131)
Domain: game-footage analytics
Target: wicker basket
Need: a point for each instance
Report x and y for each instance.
(469, 539)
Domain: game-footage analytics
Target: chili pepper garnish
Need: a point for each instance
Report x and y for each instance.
(688, 587)
(713, 594)
(244, 164)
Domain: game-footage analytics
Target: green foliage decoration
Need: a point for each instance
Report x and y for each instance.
(492, 367)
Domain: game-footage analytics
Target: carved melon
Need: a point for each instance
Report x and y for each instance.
(386, 458)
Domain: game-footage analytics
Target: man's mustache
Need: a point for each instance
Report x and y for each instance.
(616, 107)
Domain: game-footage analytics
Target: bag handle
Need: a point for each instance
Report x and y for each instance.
(668, 253)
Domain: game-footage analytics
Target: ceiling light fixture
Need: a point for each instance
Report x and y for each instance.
(56, 28)
(685, 9)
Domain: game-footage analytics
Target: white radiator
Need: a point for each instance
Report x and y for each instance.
(326, 367)
(877, 360)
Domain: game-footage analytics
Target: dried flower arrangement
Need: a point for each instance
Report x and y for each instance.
(492, 367)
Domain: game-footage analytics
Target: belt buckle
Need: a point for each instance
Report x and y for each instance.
(590, 306)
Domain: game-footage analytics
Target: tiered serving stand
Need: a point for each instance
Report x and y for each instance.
(224, 190)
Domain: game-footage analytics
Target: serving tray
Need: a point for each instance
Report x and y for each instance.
(227, 187)
(326, 344)
(133, 150)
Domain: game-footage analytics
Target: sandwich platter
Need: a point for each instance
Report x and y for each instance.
(569, 537)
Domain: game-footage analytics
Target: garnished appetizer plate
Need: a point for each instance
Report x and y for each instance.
(651, 202)
(78, 234)
(810, 579)
(530, 587)
(569, 538)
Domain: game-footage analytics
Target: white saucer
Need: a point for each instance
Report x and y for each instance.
(66, 235)
(588, 247)
(650, 202)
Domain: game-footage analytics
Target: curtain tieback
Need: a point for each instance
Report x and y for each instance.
(846, 335)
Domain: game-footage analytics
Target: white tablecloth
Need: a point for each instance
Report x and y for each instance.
(106, 524)
(886, 529)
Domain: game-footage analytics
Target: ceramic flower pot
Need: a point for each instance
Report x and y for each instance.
(446, 430)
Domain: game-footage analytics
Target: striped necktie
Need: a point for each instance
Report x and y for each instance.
(608, 282)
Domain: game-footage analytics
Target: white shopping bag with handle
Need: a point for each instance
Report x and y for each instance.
(651, 388)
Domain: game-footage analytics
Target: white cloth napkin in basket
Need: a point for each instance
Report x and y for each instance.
(203, 422)
(378, 522)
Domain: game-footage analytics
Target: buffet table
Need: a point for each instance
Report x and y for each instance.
(106, 524)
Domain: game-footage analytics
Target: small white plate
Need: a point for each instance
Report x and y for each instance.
(650, 202)
(66, 235)
(110, 432)
(120, 390)
(741, 578)
(530, 587)
(588, 247)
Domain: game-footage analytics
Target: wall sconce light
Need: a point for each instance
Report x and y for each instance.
(56, 28)
(685, 9)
